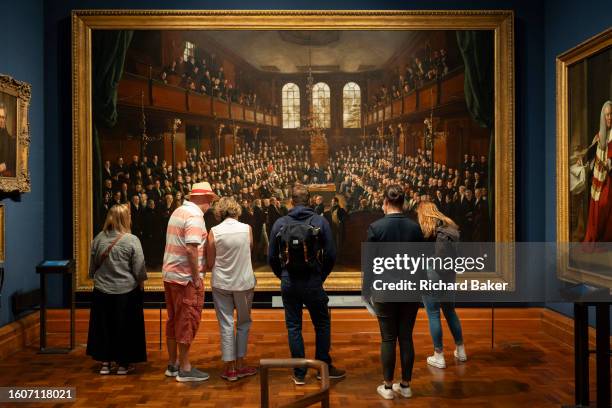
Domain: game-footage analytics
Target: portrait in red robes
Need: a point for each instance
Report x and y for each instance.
(599, 222)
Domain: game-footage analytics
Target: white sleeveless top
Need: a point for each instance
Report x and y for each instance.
(232, 269)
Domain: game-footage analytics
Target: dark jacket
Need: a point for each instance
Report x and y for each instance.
(302, 213)
(465, 215)
(446, 236)
(259, 219)
(319, 209)
(272, 215)
(395, 228)
(445, 246)
(8, 153)
(481, 221)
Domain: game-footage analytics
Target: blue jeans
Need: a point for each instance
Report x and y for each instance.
(433, 306)
(297, 293)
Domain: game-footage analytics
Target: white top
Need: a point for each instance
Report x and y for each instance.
(232, 269)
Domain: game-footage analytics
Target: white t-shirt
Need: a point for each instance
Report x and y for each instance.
(232, 269)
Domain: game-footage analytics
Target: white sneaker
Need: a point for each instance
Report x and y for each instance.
(386, 393)
(437, 360)
(298, 380)
(125, 370)
(460, 353)
(105, 369)
(172, 370)
(405, 392)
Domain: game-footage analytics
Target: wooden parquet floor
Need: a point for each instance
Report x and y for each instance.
(527, 368)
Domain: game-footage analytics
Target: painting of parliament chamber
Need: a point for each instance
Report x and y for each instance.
(346, 112)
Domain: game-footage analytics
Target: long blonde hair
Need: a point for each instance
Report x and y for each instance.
(118, 219)
(430, 217)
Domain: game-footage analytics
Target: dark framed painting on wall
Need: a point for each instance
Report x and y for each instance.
(14, 135)
(2, 259)
(584, 165)
(256, 101)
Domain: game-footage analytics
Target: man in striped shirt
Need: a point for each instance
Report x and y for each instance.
(183, 273)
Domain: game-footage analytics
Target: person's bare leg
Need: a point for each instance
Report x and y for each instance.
(172, 357)
(183, 351)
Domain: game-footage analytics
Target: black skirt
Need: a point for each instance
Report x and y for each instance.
(116, 327)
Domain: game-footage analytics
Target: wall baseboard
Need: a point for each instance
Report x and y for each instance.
(24, 332)
(561, 327)
(19, 334)
(342, 321)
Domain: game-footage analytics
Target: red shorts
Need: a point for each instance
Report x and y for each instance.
(184, 308)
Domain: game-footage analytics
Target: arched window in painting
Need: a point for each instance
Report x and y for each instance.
(321, 105)
(291, 106)
(351, 103)
(189, 51)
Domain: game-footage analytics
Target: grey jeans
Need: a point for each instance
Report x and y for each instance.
(233, 346)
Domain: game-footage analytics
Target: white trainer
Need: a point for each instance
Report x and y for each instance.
(105, 369)
(437, 360)
(386, 393)
(405, 392)
(460, 353)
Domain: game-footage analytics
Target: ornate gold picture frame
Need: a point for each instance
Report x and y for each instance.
(84, 22)
(14, 135)
(580, 97)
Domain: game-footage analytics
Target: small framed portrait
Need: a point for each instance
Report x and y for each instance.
(14, 135)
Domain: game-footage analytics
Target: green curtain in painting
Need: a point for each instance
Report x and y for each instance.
(477, 49)
(108, 57)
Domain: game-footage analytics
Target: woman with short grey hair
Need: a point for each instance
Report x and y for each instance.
(228, 250)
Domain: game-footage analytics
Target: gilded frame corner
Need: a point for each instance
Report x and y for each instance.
(499, 21)
(22, 91)
(564, 61)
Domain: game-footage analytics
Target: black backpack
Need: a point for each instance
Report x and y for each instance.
(299, 247)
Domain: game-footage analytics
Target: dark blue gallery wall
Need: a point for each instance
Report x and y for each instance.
(567, 24)
(529, 98)
(21, 56)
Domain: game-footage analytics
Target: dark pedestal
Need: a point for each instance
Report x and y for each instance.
(582, 352)
(45, 268)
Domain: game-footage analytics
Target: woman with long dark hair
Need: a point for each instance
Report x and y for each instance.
(396, 319)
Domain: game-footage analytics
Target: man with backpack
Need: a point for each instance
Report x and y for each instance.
(302, 254)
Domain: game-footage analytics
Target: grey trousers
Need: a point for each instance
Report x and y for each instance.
(233, 346)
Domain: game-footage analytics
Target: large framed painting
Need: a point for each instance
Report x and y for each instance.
(14, 135)
(584, 166)
(253, 102)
